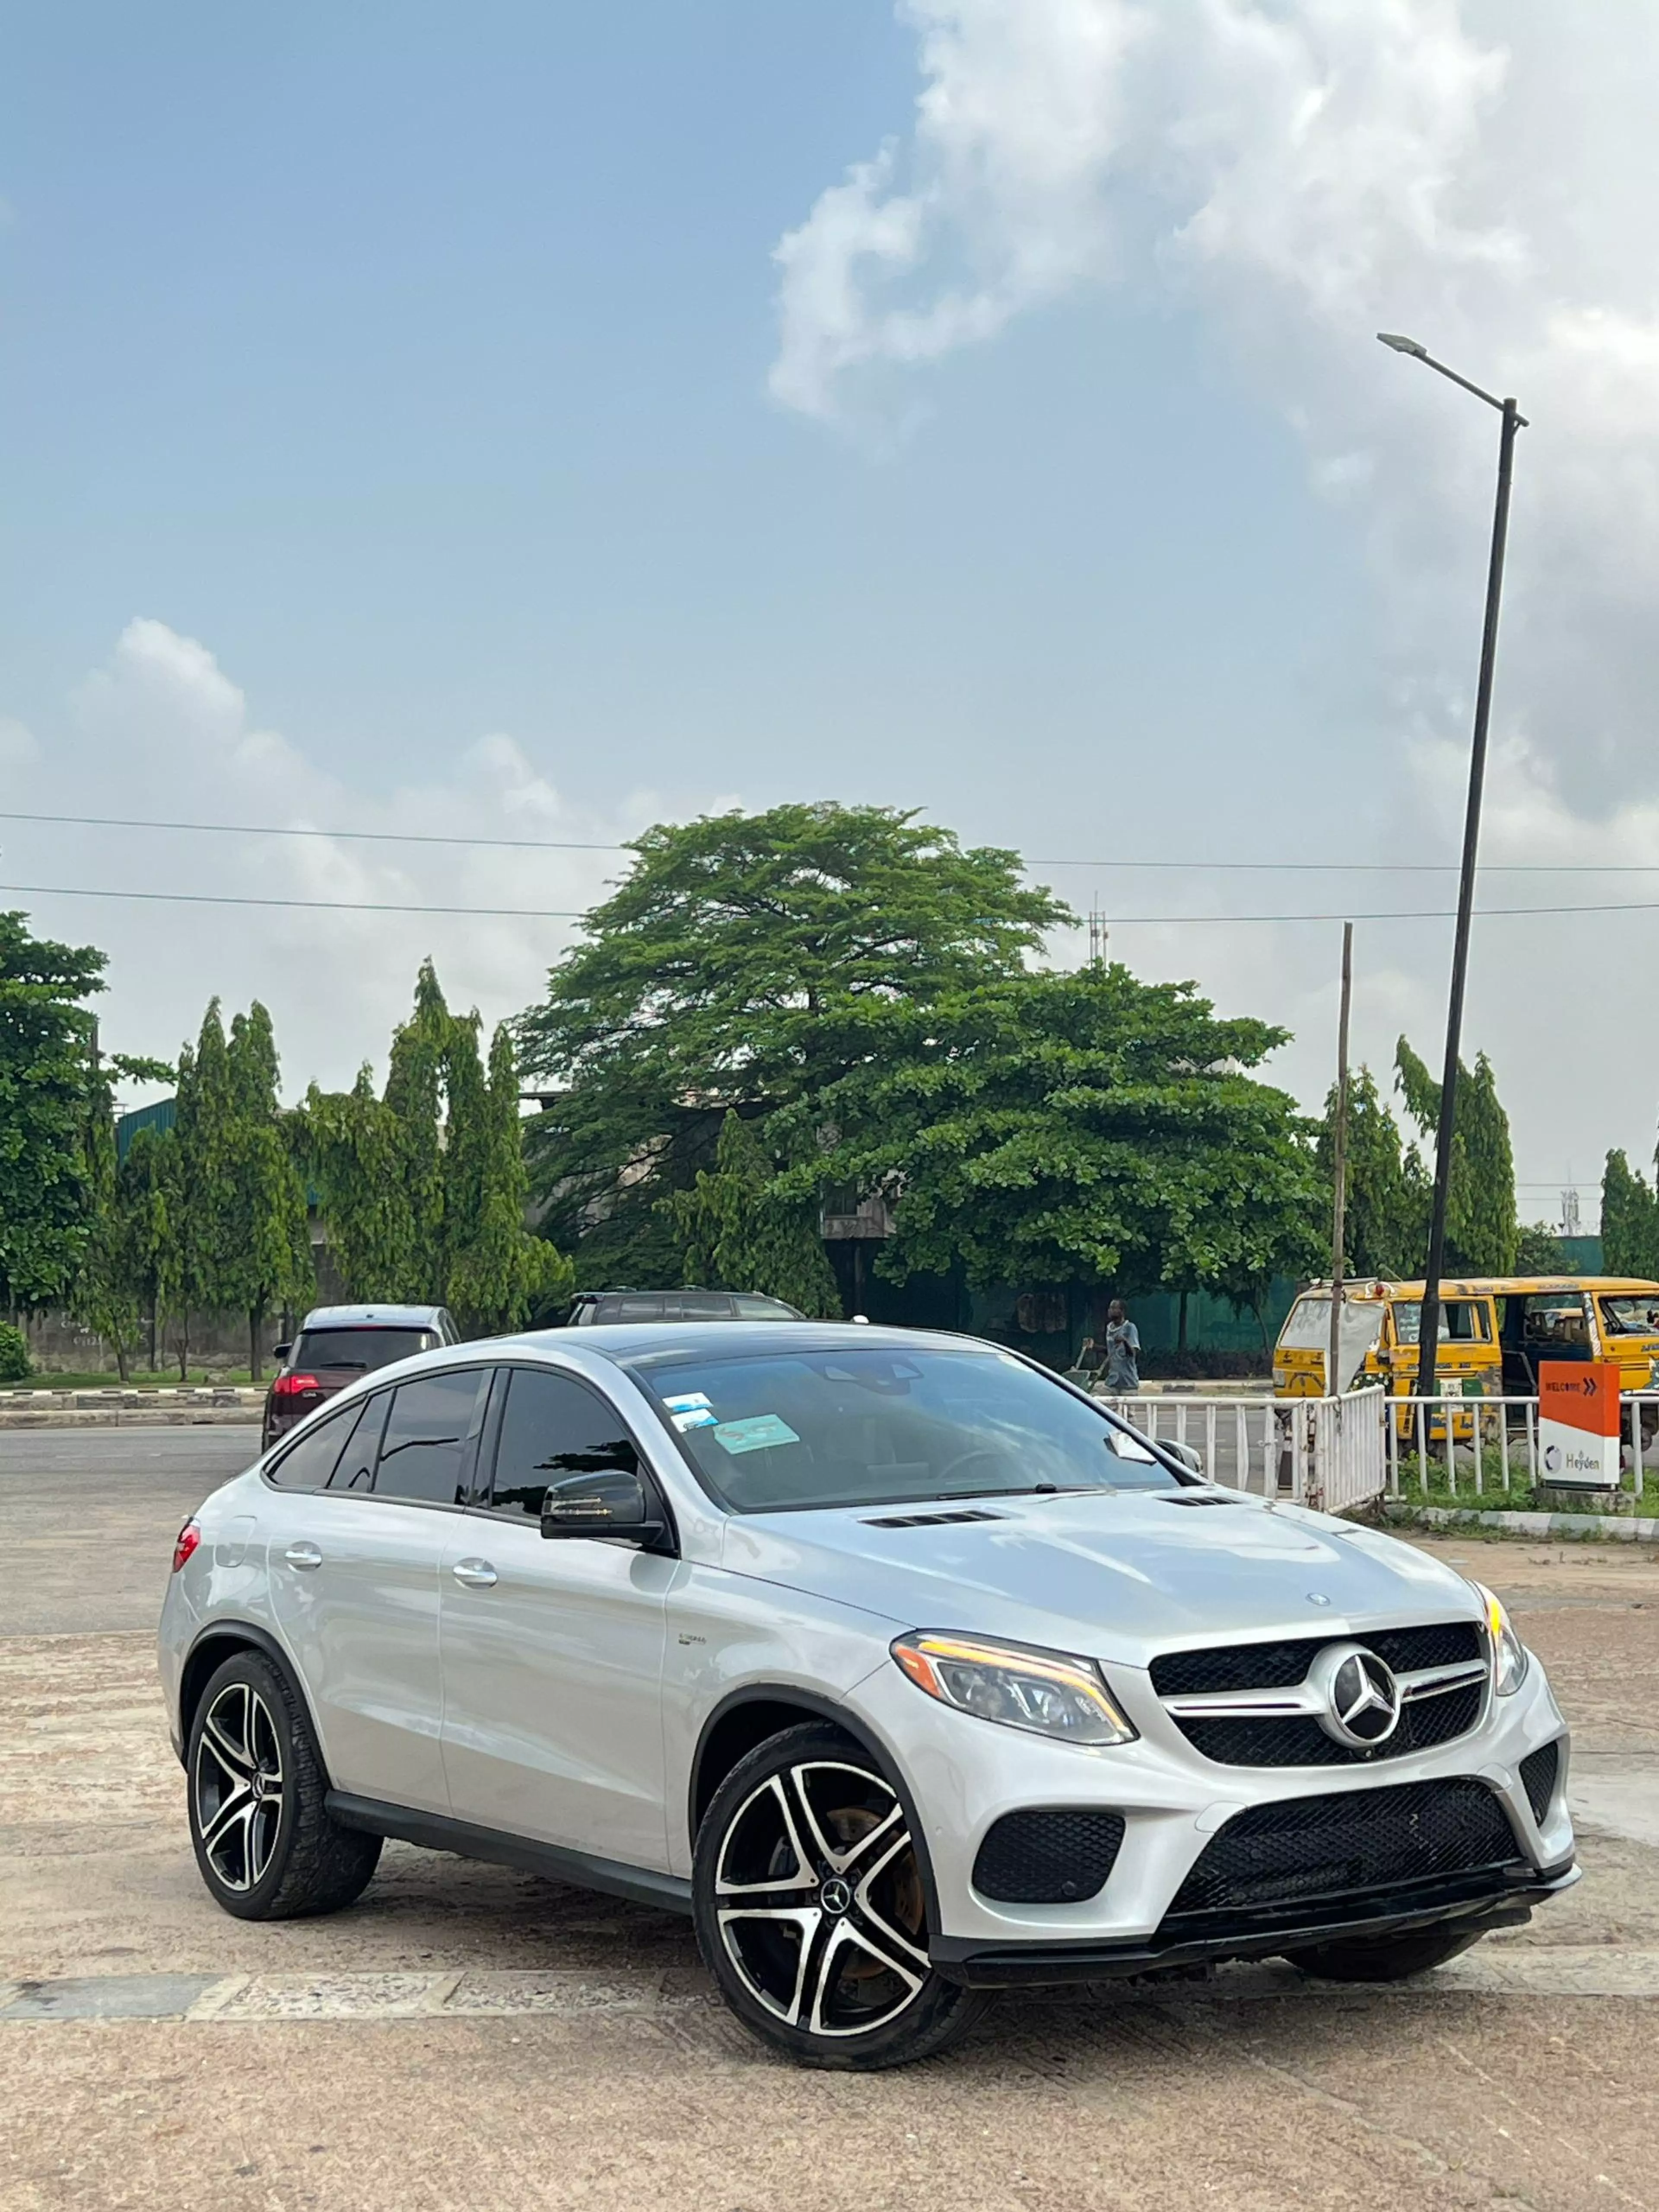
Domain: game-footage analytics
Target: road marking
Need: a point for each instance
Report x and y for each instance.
(1497, 1969)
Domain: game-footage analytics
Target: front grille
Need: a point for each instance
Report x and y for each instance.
(1048, 1857)
(1318, 1847)
(1538, 1771)
(1280, 1666)
(1301, 1742)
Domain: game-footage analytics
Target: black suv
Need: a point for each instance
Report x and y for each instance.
(593, 1307)
(336, 1345)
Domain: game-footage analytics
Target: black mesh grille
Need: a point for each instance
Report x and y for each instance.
(1048, 1857)
(1538, 1773)
(1279, 1666)
(1309, 1847)
(1302, 1743)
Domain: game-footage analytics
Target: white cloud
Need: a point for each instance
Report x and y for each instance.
(17, 745)
(1304, 172)
(161, 732)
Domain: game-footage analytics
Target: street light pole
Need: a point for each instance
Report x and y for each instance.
(1429, 1320)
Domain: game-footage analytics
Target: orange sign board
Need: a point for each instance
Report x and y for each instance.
(1580, 1394)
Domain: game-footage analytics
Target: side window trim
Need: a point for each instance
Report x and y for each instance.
(371, 1427)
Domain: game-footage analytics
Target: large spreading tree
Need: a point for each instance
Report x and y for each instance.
(1045, 1128)
(718, 976)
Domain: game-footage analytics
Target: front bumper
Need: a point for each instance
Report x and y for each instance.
(1479, 1902)
(965, 1775)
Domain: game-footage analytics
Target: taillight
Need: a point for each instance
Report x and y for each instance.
(294, 1386)
(189, 1537)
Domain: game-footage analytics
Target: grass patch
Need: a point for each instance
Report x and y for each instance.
(157, 1379)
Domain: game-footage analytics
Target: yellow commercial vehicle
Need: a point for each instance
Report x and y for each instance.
(1494, 1330)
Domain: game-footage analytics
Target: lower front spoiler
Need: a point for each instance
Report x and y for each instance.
(1497, 1897)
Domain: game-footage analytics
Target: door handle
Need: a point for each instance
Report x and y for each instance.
(474, 1574)
(303, 1556)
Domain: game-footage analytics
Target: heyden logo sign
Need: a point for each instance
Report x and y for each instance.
(1578, 1422)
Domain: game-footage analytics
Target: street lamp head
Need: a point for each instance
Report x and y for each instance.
(1403, 345)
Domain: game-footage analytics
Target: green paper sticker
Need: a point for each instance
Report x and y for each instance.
(755, 1434)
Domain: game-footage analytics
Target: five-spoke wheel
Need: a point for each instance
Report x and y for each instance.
(264, 1842)
(811, 1909)
(237, 1785)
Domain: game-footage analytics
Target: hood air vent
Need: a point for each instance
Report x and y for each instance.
(931, 1520)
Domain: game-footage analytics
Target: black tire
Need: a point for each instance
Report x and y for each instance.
(1386, 1958)
(828, 1962)
(255, 1787)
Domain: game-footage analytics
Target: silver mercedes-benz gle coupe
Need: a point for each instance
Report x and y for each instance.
(906, 1669)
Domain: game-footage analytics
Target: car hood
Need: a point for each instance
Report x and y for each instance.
(1117, 1577)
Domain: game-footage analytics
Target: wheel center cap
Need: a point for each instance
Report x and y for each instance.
(258, 1784)
(834, 1896)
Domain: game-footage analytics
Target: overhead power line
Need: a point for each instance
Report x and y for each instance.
(311, 906)
(584, 845)
(555, 914)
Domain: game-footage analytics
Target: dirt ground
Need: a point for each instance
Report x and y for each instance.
(469, 2037)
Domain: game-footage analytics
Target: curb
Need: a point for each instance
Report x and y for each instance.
(198, 1417)
(1593, 1527)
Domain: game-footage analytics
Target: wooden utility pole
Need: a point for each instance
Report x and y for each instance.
(1340, 1167)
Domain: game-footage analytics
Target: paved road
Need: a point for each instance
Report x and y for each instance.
(90, 1516)
(470, 2037)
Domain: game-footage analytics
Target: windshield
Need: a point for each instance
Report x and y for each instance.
(1634, 1316)
(780, 1431)
(359, 1349)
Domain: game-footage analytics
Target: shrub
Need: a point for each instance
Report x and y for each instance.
(15, 1365)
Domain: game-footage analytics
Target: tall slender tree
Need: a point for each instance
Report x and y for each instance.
(267, 1261)
(1482, 1227)
(1630, 1220)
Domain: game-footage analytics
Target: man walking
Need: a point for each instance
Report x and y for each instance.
(1122, 1375)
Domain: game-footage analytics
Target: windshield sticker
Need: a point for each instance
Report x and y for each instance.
(684, 1401)
(694, 1417)
(757, 1435)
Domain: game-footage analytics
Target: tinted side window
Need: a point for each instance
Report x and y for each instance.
(312, 1461)
(354, 1468)
(638, 1309)
(752, 1307)
(424, 1452)
(705, 1305)
(553, 1427)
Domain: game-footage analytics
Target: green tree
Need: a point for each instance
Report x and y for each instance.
(113, 1278)
(1052, 1128)
(739, 1234)
(491, 1266)
(1482, 1228)
(203, 1263)
(1630, 1220)
(267, 1259)
(1389, 1191)
(146, 1183)
(414, 1092)
(352, 1145)
(716, 977)
(1540, 1251)
(46, 1084)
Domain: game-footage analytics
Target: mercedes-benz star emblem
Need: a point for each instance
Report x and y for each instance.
(836, 1896)
(1360, 1695)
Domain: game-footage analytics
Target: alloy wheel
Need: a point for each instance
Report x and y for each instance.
(238, 1787)
(818, 1899)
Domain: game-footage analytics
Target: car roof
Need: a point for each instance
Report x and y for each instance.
(627, 1342)
(372, 1318)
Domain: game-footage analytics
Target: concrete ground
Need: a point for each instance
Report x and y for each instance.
(469, 2037)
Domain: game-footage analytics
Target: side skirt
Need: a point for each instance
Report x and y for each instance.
(436, 1832)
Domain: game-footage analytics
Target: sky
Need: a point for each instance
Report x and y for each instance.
(540, 421)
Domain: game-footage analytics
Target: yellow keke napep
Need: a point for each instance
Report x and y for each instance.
(1378, 1347)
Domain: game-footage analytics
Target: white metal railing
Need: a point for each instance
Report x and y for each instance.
(1313, 1451)
(1478, 1447)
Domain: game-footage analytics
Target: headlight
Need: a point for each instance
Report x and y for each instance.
(1508, 1653)
(1046, 1693)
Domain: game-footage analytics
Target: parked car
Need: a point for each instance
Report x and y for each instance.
(904, 1668)
(597, 1309)
(338, 1346)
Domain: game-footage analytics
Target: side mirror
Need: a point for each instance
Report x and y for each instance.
(281, 1351)
(612, 1502)
(1188, 1454)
